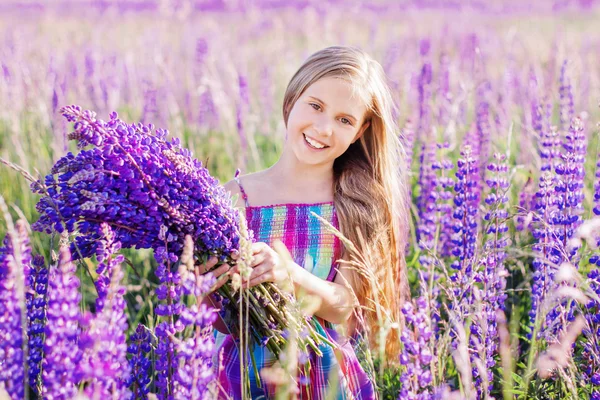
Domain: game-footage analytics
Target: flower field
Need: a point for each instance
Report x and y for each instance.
(104, 211)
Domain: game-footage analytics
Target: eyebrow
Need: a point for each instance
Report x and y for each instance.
(344, 114)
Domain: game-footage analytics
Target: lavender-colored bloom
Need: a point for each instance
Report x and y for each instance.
(493, 275)
(590, 361)
(149, 190)
(567, 107)
(36, 295)
(466, 214)
(549, 146)
(596, 205)
(545, 247)
(434, 229)
(61, 349)
(140, 345)
(15, 263)
(418, 350)
(196, 374)
(424, 93)
(166, 360)
(106, 254)
(482, 123)
(104, 362)
(569, 207)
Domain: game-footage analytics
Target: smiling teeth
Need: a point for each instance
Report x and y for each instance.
(313, 143)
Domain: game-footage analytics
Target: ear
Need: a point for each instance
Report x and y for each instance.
(362, 130)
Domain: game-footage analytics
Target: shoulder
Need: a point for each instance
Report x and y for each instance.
(234, 191)
(247, 182)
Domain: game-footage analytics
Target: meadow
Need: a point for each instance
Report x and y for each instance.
(498, 110)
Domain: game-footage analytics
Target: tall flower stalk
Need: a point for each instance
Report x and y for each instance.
(15, 262)
(61, 349)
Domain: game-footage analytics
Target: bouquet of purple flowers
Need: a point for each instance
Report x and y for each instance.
(154, 194)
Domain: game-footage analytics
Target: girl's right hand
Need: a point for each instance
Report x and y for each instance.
(221, 273)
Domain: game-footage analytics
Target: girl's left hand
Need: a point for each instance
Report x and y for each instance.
(266, 265)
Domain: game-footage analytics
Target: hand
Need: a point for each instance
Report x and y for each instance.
(266, 266)
(221, 273)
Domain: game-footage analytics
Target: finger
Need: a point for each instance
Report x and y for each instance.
(235, 255)
(220, 270)
(211, 262)
(259, 270)
(258, 247)
(258, 259)
(220, 282)
(266, 277)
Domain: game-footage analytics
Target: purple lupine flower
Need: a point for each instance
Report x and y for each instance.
(196, 374)
(569, 207)
(590, 361)
(418, 351)
(106, 252)
(466, 214)
(567, 107)
(493, 276)
(549, 148)
(435, 223)
(166, 361)
(61, 349)
(424, 93)
(443, 95)
(148, 189)
(482, 124)
(15, 264)
(407, 137)
(140, 345)
(37, 289)
(547, 253)
(104, 359)
(425, 205)
(526, 205)
(597, 189)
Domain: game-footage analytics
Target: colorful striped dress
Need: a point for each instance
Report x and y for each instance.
(315, 249)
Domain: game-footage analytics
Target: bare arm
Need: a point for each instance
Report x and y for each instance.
(337, 299)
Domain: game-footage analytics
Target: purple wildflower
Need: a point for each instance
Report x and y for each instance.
(104, 359)
(15, 263)
(61, 350)
(548, 254)
(37, 289)
(482, 123)
(424, 91)
(435, 209)
(140, 345)
(418, 351)
(149, 190)
(567, 108)
(569, 207)
(493, 276)
(591, 345)
(466, 214)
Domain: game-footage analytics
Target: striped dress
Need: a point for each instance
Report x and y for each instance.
(315, 249)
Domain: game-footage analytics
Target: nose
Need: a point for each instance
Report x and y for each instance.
(324, 126)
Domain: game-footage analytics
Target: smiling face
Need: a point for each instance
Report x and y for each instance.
(325, 120)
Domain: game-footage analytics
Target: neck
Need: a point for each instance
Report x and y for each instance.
(297, 176)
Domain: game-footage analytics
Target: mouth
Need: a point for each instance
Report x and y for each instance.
(314, 144)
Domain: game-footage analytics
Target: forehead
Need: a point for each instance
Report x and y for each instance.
(338, 94)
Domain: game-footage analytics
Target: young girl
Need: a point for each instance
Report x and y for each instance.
(342, 160)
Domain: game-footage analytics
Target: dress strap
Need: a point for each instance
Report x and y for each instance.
(244, 195)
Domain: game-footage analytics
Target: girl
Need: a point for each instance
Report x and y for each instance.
(342, 160)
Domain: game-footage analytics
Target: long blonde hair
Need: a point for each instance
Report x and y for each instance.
(370, 189)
